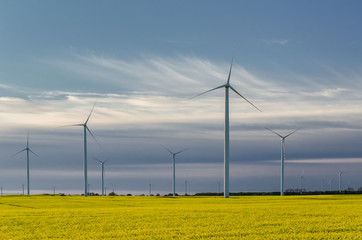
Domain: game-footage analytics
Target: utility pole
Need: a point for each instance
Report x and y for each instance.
(149, 189)
(23, 189)
(1, 190)
(54, 190)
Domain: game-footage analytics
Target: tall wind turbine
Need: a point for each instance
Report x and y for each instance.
(85, 129)
(173, 167)
(102, 165)
(282, 157)
(227, 130)
(27, 149)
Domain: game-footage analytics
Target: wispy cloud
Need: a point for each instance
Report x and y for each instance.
(155, 90)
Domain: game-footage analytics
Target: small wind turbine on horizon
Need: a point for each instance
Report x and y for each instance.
(102, 165)
(27, 149)
(227, 130)
(301, 181)
(282, 138)
(85, 129)
(340, 180)
(173, 167)
(186, 182)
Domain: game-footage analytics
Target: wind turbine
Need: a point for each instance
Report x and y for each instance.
(102, 165)
(282, 138)
(340, 179)
(173, 167)
(27, 149)
(301, 182)
(85, 129)
(186, 182)
(226, 129)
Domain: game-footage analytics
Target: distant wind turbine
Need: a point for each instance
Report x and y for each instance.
(85, 129)
(340, 180)
(282, 157)
(186, 182)
(301, 182)
(227, 130)
(27, 149)
(173, 167)
(102, 165)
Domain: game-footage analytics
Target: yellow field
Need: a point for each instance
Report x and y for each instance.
(257, 217)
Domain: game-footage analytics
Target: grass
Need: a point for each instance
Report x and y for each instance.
(254, 217)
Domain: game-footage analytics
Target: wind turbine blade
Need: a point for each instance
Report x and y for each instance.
(244, 98)
(231, 66)
(34, 153)
(208, 91)
(292, 132)
(90, 114)
(168, 150)
(273, 132)
(182, 151)
(18, 152)
(101, 162)
(93, 136)
(73, 125)
(97, 159)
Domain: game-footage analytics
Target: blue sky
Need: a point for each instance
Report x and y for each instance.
(141, 61)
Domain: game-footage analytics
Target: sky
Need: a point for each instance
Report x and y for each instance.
(140, 62)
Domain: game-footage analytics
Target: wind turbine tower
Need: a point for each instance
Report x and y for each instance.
(27, 149)
(102, 165)
(85, 129)
(227, 86)
(173, 168)
(282, 138)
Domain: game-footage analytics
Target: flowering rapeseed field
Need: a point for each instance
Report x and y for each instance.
(255, 217)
